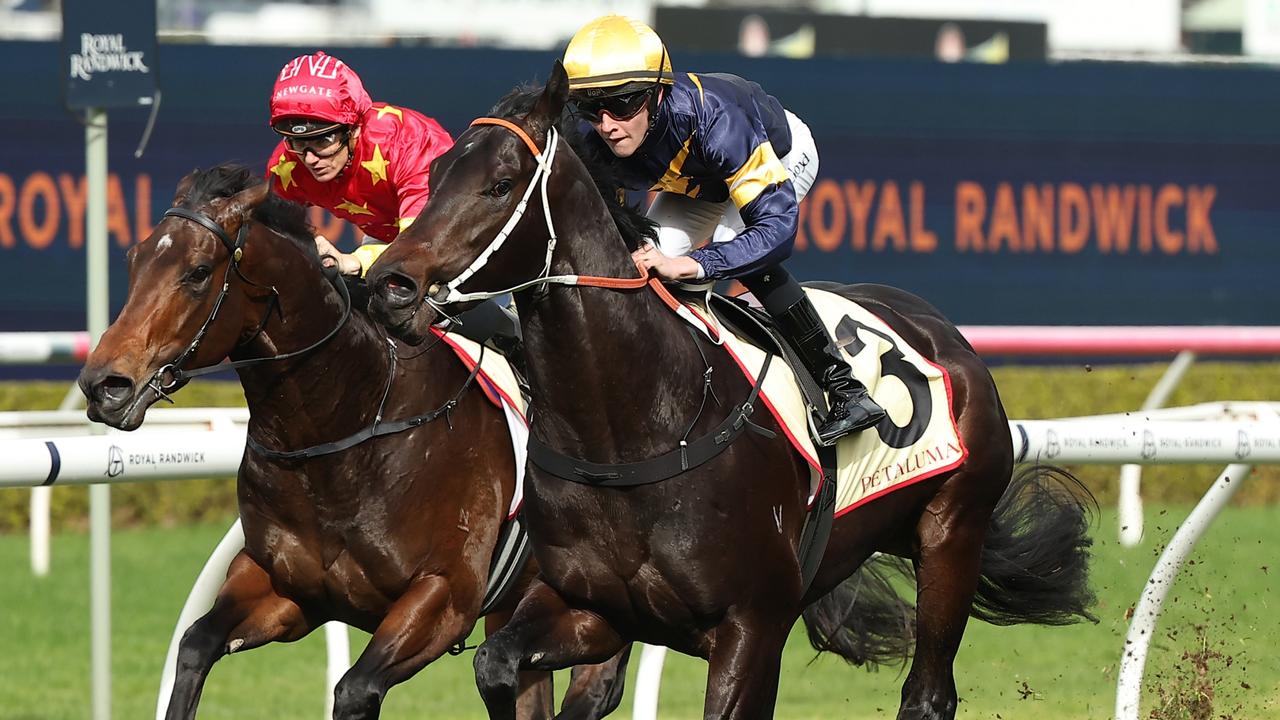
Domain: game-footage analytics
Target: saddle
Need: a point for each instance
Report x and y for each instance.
(751, 323)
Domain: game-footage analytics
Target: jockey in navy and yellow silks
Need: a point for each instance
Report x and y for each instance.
(731, 165)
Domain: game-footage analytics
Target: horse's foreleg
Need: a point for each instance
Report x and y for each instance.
(745, 660)
(419, 627)
(596, 690)
(946, 576)
(246, 614)
(544, 634)
(535, 698)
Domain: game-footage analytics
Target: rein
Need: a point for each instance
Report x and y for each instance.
(377, 429)
(172, 373)
(685, 457)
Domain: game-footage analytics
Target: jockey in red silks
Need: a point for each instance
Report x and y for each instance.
(365, 162)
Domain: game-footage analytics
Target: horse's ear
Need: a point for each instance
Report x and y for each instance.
(546, 112)
(184, 187)
(230, 212)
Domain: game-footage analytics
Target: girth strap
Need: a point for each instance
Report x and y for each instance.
(663, 467)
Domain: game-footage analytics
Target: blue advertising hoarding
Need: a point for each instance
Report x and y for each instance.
(1089, 193)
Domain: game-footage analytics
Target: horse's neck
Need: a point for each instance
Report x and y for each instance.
(611, 370)
(331, 384)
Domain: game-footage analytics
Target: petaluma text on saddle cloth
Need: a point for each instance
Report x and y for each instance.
(922, 458)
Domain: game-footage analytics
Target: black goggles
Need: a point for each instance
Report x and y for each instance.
(620, 107)
(322, 146)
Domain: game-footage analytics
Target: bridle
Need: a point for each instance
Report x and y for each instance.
(172, 373)
(440, 294)
(176, 374)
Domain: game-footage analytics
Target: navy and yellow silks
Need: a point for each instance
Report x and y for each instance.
(719, 137)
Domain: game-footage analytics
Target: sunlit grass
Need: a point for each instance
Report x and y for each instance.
(1226, 601)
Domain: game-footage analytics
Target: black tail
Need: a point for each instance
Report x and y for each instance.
(1034, 570)
(1035, 561)
(864, 619)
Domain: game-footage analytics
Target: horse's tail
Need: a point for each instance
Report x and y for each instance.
(1034, 570)
(864, 619)
(1035, 561)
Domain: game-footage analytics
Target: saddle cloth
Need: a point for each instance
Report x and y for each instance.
(917, 440)
(500, 387)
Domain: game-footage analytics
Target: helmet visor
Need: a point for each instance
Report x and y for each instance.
(621, 107)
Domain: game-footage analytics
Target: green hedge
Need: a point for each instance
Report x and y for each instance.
(1028, 393)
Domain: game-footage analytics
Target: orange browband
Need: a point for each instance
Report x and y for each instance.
(519, 131)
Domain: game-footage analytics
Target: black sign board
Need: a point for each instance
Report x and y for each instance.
(109, 52)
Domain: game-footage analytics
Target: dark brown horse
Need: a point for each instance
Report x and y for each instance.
(706, 562)
(394, 535)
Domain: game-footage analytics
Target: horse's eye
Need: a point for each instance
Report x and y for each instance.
(501, 188)
(199, 274)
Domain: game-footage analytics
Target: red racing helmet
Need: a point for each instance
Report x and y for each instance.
(313, 93)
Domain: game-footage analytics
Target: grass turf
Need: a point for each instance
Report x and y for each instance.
(1215, 654)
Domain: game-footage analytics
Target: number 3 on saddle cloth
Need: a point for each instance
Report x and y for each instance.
(917, 439)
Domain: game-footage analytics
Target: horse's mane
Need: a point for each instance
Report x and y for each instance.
(632, 223)
(285, 217)
(223, 181)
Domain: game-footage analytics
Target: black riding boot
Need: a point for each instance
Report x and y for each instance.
(851, 407)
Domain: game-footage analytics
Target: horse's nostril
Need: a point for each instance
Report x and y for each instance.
(398, 290)
(113, 390)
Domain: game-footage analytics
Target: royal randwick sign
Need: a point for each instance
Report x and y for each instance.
(105, 53)
(109, 51)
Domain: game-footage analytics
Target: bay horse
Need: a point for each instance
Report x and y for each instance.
(706, 561)
(393, 535)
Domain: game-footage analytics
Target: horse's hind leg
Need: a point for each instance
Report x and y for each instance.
(544, 634)
(246, 614)
(951, 533)
(418, 628)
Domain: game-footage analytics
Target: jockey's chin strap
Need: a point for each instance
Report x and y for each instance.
(439, 295)
(170, 375)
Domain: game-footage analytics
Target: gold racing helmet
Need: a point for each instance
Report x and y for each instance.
(615, 54)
